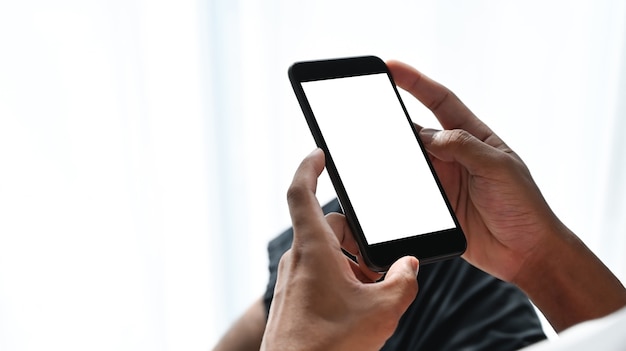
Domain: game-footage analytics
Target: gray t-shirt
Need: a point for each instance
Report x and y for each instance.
(458, 307)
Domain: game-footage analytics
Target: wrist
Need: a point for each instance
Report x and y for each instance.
(546, 259)
(567, 282)
(304, 334)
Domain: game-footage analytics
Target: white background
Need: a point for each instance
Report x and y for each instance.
(146, 146)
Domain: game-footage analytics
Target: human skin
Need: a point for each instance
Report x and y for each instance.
(512, 234)
(511, 231)
(323, 300)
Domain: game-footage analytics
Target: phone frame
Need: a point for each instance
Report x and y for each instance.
(427, 247)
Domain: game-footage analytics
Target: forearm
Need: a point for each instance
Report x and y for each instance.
(568, 283)
(247, 332)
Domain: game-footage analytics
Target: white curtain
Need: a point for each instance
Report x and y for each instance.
(146, 146)
(104, 176)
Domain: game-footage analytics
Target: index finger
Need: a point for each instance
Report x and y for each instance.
(447, 107)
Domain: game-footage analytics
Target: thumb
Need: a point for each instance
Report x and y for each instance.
(460, 146)
(400, 283)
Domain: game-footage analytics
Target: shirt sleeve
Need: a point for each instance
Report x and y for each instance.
(276, 248)
(605, 333)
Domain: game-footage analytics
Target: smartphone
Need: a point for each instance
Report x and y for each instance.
(385, 183)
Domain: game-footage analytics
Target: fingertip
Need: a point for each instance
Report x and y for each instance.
(301, 193)
(315, 160)
(414, 264)
(318, 158)
(402, 73)
(393, 64)
(340, 227)
(407, 266)
(316, 152)
(427, 135)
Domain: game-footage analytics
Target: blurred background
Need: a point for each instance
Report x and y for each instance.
(146, 146)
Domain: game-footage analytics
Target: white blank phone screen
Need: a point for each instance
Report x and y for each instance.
(379, 161)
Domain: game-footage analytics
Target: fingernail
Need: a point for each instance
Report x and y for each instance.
(415, 265)
(426, 134)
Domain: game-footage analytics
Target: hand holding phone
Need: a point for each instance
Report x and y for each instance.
(389, 192)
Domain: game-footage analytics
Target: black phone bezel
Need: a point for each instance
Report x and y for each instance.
(427, 247)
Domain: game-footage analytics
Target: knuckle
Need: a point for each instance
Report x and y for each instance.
(458, 137)
(289, 260)
(296, 193)
(284, 260)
